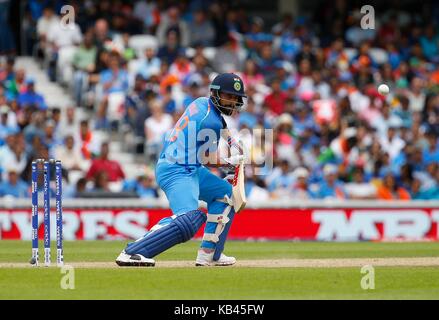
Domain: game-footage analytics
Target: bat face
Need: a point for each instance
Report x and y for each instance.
(238, 190)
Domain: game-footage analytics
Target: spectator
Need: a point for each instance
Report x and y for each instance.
(172, 21)
(248, 117)
(280, 187)
(321, 87)
(44, 24)
(49, 138)
(13, 185)
(417, 192)
(70, 155)
(89, 143)
(15, 84)
(150, 64)
(61, 43)
(389, 190)
(15, 157)
(217, 12)
(266, 60)
(102, 35)
(55, 116)
(359, 188)
(68, 122)
(30, 98)
(114, 82)
(275, 101)
(7, 127)
(226, 58)
(193, 92)
(202, 67)
(145, 188)
(112, 168)
(170, 49)
(306, 54)
(406, 176)
(284, 26)
(402, 111)
(6, 149)
(7, 45)
(155, 128)
(251, 75)
(169, 102)
(330, 187)
(431, 152)
(336, 57)
(101, 182)
(128, 53)
(182, 67)
(416, 95)
(136, 106)
(392, 143)
(341, 148)
(83, 62)
(302, 118)
(301, 189)
(355, 34)
(256, 190)
(429, 43)
(305, 83)
(284, 141)
(363, 59)
(256, 37)
(430, 115)
(147, 12)
(77, 190)
(201, 31)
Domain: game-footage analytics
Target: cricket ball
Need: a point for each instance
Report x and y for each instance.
(383, 89)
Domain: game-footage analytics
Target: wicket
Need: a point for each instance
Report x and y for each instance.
(36, 170)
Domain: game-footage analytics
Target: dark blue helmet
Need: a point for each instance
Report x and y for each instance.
(227, 83)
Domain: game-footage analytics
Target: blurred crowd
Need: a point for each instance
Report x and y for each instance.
(312, 79)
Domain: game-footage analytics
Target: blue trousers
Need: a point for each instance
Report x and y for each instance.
(185, 185)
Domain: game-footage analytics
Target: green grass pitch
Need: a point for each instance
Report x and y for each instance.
(391, 282)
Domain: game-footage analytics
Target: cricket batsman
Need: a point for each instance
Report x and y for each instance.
(182, 174)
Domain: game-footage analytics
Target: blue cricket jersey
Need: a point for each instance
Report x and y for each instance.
(198, 130)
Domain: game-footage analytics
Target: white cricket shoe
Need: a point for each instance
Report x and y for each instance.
(135, 260)
(206, 259)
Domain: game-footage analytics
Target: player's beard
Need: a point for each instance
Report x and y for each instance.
(227, 110)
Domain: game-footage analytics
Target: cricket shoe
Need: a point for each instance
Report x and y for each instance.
(206, 259)
(134, 260)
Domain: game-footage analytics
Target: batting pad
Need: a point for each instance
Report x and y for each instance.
(219, 248)
(179, 230)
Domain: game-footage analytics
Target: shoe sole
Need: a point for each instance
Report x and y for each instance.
(135, 264)
(214, 265)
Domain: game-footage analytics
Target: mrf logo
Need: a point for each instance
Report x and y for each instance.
(363, 224)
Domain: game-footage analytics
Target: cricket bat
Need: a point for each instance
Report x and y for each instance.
(238, 190)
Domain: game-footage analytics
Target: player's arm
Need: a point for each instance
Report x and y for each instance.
(232, 142)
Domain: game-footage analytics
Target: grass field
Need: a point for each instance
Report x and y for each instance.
(20, 281)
